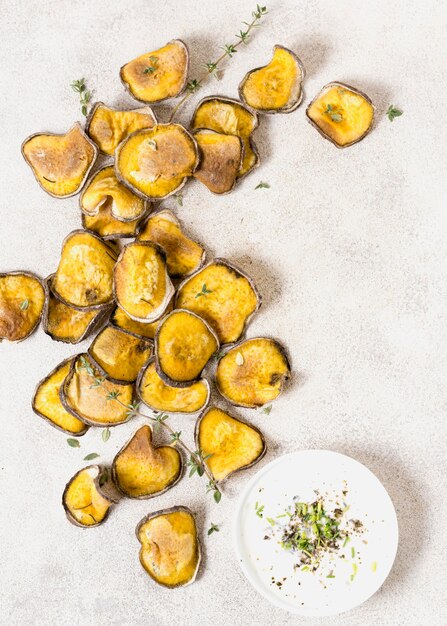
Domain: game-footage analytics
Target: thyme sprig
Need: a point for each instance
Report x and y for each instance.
(229, 50)
(85, 95)
(196, 459)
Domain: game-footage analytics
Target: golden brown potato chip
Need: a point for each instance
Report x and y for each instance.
(60, 163)
(184, 343)
(105, 188)
(156, 162)
(138, 329)
(276, 87)
(106, 226)
(119, 354)
(223, 295)
(159, 396)
(109, 127)
(222, 157)
(142, 470)
(157, 75)
(229, 117)
(92, 403)
(183, 255)
(142, 286)
(22, 303)
(253, 372)
(84, 499)
(170, 547)
(84, 277)
(341, 114)
(231, 443)
(47, 403)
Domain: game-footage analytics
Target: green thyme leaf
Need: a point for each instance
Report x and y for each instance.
(217, 496)
(267, 410)
(113, 395)
(73, 443)
(204, 291)
(179, 199)
(214, 528)
(262, 185)
(24, 305)
(106, 434)
(91, 456)
(393, 112)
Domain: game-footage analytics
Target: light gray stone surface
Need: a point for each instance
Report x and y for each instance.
(348, 249)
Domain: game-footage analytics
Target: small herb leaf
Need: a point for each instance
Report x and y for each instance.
(262, 185)
(24, 305)
(91, 456)
(73, 443)
(214, 528)
(106, 434)
(393, 112)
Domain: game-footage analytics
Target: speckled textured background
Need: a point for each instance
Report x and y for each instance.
(348, 250)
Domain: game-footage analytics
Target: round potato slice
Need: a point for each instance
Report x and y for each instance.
(342, 114)
(86, 500)
(170, 547)
(276, 87)
(253, 372)
(157, 75)
(60, 163)
(84, 277)
(222, 295)
(184, 343)
(142, 286)
(183, 255)
(231, 444)
(23, 297)
(144, 330)
(157, 162)
(108, 127)
(47, 403)
(158, 396)
(104, 187)
(142, 470)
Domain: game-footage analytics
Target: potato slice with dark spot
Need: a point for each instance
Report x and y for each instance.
(91, 403)
(253, 372)
(342, 114)
(60, 163)
(84, 277)
(230, 117)
(47, 403)
(119, 354)
(222, 158)
(231, 443)
(109, 127)
(65, 323)
(142, 286)
(142, 470)
(223, 295)
(144, 330)
(184, 343)
(103, 187)
(23, 298)
(157, 162)
(183, 255)
(157, 75)
(170, 548)
(108, 227)
(276, 87)
(86, 498)
(159, 396)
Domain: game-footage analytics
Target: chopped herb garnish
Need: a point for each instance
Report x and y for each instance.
(334, 113)
(259, 509)
(214, 528)
(354, 571)
(150, 69)
(262, 185)
(346, 541)
(271, 521)
(106, 434)
(267, 410)
(91, 456)
(353, 553)
(24, 305)
(73, 443)
(393, 112)
(374, 566)
(204, 291)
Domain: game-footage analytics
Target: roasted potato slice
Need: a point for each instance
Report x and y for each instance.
(170, 548)
(156, 162)
(106, 226)
(183, 255)
(142, 470)
(229, 117)
(142, 286)
(223, 295)
(84, 277)
(276, 87)
(342, 114)
(65, 323)
(121, 320)
(157, 75)
(231, 443)
(105, 188)
(159, 396)
(94, 404)
(108, 127)
(86, 498)
(184, 343)
(23, 297)
(119, 354)
(60, 163)
(47, 403)
(222, 157)
(253, 372)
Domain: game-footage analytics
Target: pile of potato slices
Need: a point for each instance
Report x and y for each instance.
(167, 325)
